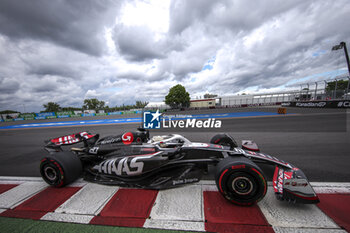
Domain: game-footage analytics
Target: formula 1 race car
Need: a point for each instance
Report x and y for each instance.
(133, 159)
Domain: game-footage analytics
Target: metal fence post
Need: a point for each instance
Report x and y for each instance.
(315, 91)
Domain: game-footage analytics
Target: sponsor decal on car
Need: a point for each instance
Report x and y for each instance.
(185, 181)
(127, 165)
(198, 144)
(127, 138)
(279, 178)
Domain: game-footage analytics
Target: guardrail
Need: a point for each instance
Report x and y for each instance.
(53, 115)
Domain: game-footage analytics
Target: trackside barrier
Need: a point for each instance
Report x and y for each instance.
(68, 114)
(281, 110)
(319, 104)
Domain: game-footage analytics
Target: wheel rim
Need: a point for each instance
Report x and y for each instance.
(50, 173)
(242, 185)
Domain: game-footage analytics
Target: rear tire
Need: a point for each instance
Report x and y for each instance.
(60, 169)
(240, 181)
(224, 140)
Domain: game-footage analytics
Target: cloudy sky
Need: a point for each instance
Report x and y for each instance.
(121, 51)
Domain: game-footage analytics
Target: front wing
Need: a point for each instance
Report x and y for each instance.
(291, 184)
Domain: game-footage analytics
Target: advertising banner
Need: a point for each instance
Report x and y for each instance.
(64, 113)
(63, 116)
(319, 104)
(27, 115)
(115, 113)
(10, 115)
(89, 111)
(88, 114)
(40, 118)
(45, 114)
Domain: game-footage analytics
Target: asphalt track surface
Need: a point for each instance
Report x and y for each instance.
(315, 140)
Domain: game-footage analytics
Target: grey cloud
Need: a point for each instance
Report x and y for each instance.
(74, 24)
(232, 15)
(44, 87)
(43, 42)
(137, 43)
(8, 86)
(54, 70)
(184, 13)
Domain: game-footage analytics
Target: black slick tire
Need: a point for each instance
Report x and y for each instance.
(60, 169)
(240, 181)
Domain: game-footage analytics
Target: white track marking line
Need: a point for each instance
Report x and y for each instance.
(19, 194)
(330, 184)
(206, 182)
(11, 182)
(330, 190)
(284, 214)
(59, 217)
(210, 188)
(306, 230)
(20, 178)
(174, 225)
(320, 187)
(78, 183)
(88, 200)
(180, 204)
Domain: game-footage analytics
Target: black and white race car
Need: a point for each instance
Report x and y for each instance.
(133, 159)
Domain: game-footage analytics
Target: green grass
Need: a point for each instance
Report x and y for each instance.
(14, 225)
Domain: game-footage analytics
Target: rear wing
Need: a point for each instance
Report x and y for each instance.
(54, 144)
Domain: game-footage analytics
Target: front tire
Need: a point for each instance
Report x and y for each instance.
(240, 181)
(60, 169)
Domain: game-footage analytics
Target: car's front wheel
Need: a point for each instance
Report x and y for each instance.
(240, 180)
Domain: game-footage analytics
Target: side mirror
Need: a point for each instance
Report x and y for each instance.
(250, 145)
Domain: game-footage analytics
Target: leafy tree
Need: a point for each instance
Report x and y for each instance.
(8, 112)
(140, 104)
(93, 104)
(70, 109)
(52, 107)
(208, 96)
(178, 97)
(341, 85)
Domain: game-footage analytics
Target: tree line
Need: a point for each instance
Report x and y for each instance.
(92, 104)
(177, 97)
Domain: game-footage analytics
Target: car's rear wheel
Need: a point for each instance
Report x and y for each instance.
(60, 169)
(224, 140)
(240, 180)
